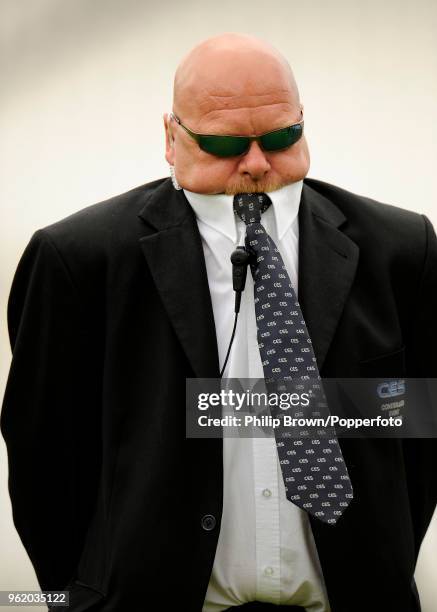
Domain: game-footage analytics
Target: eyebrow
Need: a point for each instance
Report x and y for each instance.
(276, 129)
(300, 108)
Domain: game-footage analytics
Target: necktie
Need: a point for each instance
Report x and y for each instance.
(314, 471)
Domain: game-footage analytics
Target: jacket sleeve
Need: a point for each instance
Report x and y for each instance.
(421, 352)
(421, 453)
(50, 416)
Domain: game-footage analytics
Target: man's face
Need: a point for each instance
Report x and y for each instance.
(242, 103)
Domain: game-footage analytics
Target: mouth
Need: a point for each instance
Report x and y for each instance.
(261, 187)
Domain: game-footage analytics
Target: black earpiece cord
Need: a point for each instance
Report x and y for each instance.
(240, 260)
(230, 344)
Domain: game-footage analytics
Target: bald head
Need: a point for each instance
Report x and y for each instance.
(231, 71)
(234, 84)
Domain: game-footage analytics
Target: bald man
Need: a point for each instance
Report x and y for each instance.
(114, 307)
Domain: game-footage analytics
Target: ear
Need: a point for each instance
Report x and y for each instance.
(169, 140)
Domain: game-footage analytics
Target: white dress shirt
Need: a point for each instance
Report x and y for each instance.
(266, 550)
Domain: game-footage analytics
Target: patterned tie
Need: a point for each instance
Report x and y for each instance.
(315, 474)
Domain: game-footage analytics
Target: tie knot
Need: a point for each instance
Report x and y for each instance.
(250, 206)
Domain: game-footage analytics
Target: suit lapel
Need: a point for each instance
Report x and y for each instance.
(173, 250)
(327, 264)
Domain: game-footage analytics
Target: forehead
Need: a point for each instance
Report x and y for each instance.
(238, 97)
(245, 113)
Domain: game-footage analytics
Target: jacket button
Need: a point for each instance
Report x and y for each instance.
(208, 522)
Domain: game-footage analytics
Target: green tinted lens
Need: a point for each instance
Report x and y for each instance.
(281, 139)
(224, 146)
(229, 146)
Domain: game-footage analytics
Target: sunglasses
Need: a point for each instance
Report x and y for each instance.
(229, 146)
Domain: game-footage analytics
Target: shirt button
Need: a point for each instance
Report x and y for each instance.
(269, 571)
(208, 522)
(267, 493)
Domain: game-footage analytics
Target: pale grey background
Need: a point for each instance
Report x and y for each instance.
(85, 84)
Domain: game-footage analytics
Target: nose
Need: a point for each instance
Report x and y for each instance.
(254, 163)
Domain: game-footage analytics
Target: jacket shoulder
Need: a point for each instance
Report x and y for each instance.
(370, 214)
(98, 231)
(95, 221)
(85, 242)
(387, 235)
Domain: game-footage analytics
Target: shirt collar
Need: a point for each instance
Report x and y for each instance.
(217, 211)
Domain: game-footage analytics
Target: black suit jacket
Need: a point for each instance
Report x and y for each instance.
(110, 311)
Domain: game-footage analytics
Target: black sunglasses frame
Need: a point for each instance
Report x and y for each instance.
(244, 140)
